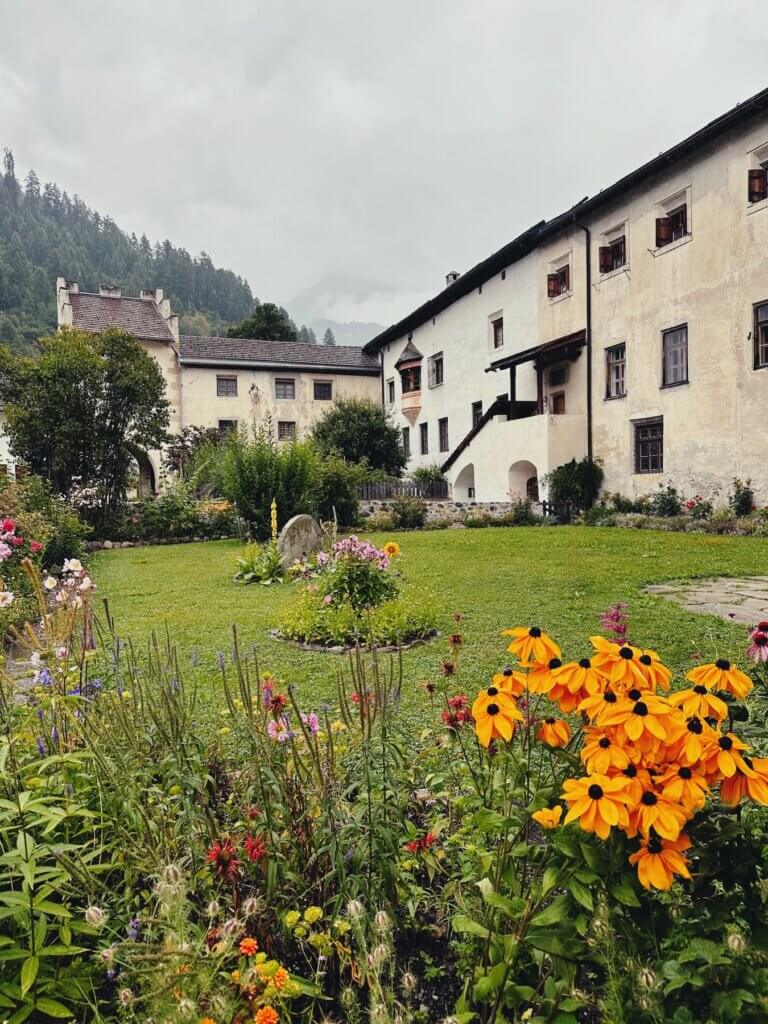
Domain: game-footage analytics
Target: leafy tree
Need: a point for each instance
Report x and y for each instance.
(268, 322)
(360, 430)
(329, 338)
(307, 335)
(79, 411)
(577, 482)
(181, 449)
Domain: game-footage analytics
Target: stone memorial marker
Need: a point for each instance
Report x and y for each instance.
(301, 537)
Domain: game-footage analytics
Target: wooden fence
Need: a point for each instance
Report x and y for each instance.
(384, 490)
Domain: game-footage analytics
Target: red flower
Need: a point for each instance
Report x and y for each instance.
(255, 848)
(278, 702)
(448, 668)
(8, 525)
(455, 639)
(426, 842)
(252, 812)
(223, 856)
(459, 702)
(17, 541)
(35, 546)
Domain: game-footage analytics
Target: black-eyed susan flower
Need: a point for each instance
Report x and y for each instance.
(598, 705)
(619, 662)
(582, 677)
(600, 754)
(655, 673)
(699, 701)
(548, 817)
(725, 757)
(531, 645)
(640, 717)
(656, 811)
(597, 802)
(690, 741)
(495, 715)
(658, 861)
(752, 783)
(637, 780)
(684, 785)
(555, 732)
(510, 682)
(542, 677)
(722, 675)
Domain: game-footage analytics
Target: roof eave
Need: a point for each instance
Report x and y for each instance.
(255, 364)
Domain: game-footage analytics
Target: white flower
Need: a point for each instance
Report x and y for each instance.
(86, 584)
(6, 599)
(35, 660)
(73, 565)
(61, 653)
(95, 916)
(50, 583)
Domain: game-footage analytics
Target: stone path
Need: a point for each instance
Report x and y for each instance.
(740, 600)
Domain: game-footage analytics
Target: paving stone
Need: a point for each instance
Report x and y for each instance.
(737, 600)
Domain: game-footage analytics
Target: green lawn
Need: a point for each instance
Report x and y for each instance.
(558, 578)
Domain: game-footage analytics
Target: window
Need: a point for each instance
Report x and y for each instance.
(424, 438)
(286, 430)
(226, 387)
(442, 426)
(558, 375)
(435, 370)
(757, 183)
(285, 388)
(410, 379)
(391, 391)
(477, 413)
(498, 332)
(616, 371)
(558, 282)
(672, 226)
(405, 435)
(649, 446)
(323, 391)
(675, 356)
(761, 335)
(557, 403)
(613, 255)
(227, 426)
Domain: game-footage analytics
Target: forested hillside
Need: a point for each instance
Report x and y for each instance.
(44, 232)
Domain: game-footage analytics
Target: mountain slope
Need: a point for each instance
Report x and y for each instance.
(44, 233)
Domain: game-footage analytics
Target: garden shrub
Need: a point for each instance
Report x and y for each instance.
(408, 513)
(575, 482)
(426, 475)
(633, 521)
(380, 522)
(259, 563)
(666, 502)
(741, 500)
(521, 514)
(338, 489)
(63, 530)
(309, 620)
(478, 519)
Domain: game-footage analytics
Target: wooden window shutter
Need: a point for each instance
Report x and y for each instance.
(566, 272)
(553, 285)
(663, 231)
(757, 184)
(605, 254)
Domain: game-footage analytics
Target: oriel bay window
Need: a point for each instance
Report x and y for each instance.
(649, 445)
(761, 335)
(675, 356)
(616, 371)
(410, 378)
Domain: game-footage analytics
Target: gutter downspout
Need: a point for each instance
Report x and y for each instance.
(381, 364)
(588, 331)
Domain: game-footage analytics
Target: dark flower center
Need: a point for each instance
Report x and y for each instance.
(492, 709)
(534, 631)
(634, 695)
(645, 659)
(684, 773)
(655, 845)
(585, 663)
(760, 639)
(722, 664)
(641, 708)
(491, 691)
(725, 742)
(507, 671)
(649, 799)
(695, 726)
(555, 663)
(604, 743)
(549, 721)
(626, 653)
(762, 626)
(699, 689)
(595, 792)
(610, 697)
(631, 771)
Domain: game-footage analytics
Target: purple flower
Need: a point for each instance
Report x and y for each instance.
(40, 744)
(134, 926)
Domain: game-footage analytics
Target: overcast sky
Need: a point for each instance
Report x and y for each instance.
(370, 146)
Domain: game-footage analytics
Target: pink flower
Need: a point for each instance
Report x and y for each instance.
(328, 599)
(278, 730)
(35, 546)
(312, 722)
(758, 649)
(5, 551)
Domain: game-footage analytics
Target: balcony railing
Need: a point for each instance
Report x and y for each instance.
(384, 490)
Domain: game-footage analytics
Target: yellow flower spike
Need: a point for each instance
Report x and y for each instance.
(548, 817)
(273, 519)
(312, 915)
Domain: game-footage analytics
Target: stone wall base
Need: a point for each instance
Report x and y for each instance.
(450, 511)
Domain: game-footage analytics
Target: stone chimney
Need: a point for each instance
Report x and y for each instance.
(110, 291)
(64, 289)
(451, 276)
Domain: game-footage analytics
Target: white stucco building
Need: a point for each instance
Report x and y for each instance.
(633, 328)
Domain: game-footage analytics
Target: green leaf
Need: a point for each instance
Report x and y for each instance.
(511, 908)
(22, 1013)
(591, 856)
(465, 925)
(29, 970)
(52, 1007)
(558, 910)
(60, 950)
(581, 894)
(624, 893)
(549, 880)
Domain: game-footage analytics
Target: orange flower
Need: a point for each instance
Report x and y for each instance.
(207, 1020)
(266, 1015)
(541, 677)
(248, 946)
(655, 673)
(699, 701)
(495, 715)
(724, 757)
(656, 811)
(659, 860)
(637, 780)
(753, 783)
(554, 732)
(690, 741)
(598, 705)
(599, 754)
(722, 675)
(640, 717)
(619, 662)
(685, 786)
(280, 978)
(582, 677)
(531, 645)
(548, 817)
(510, 682)
(597, 802)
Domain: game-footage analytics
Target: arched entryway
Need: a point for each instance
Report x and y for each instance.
(147, 476)
(523, 481)
(464, 487)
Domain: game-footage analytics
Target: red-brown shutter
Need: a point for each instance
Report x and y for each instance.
(553, 285)
(757, 184)
(566, 272)
(663, 231)
(605, 254)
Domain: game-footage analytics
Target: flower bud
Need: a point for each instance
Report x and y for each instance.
(355, 909)
(231, 927)
(95, 917)
(646, 978)
(408, 983)
(213, 908)
(736, 942)
(125, 997)
(381, 920)
(171, 875)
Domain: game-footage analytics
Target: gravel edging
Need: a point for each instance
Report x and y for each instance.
(419, 641)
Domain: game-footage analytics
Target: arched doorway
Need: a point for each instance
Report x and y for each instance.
(464, 485)
(147, 477)
(523, 481)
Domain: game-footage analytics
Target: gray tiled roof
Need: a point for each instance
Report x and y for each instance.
(139, 317)
(275, 353)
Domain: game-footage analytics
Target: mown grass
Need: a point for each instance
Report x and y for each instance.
(559, 578)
